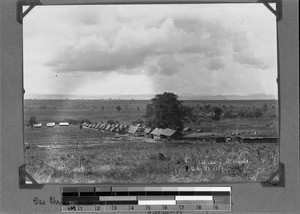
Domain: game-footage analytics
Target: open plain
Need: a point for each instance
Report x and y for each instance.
(72, 154)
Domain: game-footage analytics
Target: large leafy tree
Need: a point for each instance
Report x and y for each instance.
(166, 111)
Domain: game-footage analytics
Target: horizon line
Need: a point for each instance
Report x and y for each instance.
(257, 96)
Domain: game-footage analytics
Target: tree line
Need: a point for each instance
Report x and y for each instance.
(166, 111)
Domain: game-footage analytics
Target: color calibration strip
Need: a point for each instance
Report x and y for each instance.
(128, 199)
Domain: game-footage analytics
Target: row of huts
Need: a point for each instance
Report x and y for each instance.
(116, 127)
(135, 130)
(50, 124)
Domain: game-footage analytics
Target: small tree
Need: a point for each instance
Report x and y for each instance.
(118, 108)
(32, 121)
(258, 112)
(264, 107)
(217, 113)
(207, 107)
(242, 113)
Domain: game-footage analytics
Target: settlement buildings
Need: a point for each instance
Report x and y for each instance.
(135, 131)
(187, 133)
(37, 125)
(64, 124)
(50, 124)
(206, 137)
(158, 133)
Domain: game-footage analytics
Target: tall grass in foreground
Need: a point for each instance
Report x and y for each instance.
(159, 162)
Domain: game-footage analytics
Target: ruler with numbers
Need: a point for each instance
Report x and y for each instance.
(149, 199)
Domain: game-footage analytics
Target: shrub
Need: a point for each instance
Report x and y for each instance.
(258, 112)
(264, 107)
(217, 113)
(118, 108)
(32, 121)
(110, 122)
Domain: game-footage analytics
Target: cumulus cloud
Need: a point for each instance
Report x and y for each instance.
(251, 60)
(128, 49)
(215, 64)
(132, 45)
(95, 61)
(213, 82)
(239, 40)
(201, 48)
(169, 65)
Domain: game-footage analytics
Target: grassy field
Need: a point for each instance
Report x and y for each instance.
(74, 155)
(131, 110)
(60, 110)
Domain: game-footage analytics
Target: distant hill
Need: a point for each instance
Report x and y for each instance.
(88, 97)
(260, 96)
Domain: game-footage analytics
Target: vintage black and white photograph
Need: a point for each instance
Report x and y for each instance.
(166, 93)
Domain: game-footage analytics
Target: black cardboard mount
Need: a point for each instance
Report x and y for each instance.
(30, 3)
(23, 174)
(278, 11)
(24, 177)
(271, 182)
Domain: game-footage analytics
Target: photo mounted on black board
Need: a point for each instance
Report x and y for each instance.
(150, 93)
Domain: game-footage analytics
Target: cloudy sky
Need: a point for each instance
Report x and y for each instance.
(204, 49)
